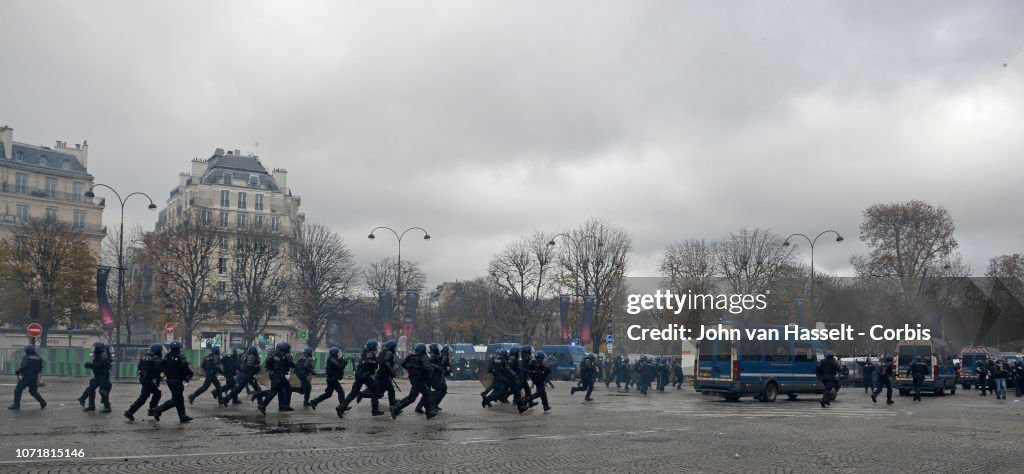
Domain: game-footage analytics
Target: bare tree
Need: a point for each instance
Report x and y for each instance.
(1006, 266)
(259, 278)
(690, 266)
(133, 275)
(52, 273)
(179, 255)
(523, 274)
(594, 263)
(381, 276)
(324, 278)
(752, 259)
(906, 240)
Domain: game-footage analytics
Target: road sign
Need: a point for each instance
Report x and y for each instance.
(169, 328)
(170, 338)
(609, 348)
(302, 335)
(575, 342)
(609, 339)
(34, 330)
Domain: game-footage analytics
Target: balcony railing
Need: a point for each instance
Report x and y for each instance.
(86, 229)
(45, 194)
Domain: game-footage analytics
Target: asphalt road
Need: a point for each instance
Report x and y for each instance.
(674, 431)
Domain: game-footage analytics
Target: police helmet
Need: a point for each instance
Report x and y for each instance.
(830, 355)
(434, 348)
(540, 355)
(514, 349)
(390, 344)
(307, 351)
(643, 358)
(420, 348)
(215, 349)
(917, 358)
(590, 355)
(254, 349)
(526, 349)
(285, 347)
(175, 345)
(371, 344)
(445, 349)
(334, 351)
(625, 359)
(98, 346)
(501, 354)
(156, 348)
(888, 358)
(30, 349)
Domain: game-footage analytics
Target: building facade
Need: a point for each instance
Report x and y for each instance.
(233, 192)
(45, 182)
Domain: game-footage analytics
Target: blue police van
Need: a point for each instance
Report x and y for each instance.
(761, 369)
(568, 356)
(942, 374)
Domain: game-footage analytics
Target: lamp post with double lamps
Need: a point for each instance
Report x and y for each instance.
(600, 244)
(120, 255)
(839, 238)
(398, 275)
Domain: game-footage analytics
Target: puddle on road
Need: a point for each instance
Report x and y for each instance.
(258, 423)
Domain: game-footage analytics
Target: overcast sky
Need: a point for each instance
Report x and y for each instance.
(482, 121)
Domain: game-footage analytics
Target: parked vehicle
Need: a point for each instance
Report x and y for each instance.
(942, 374)
(969, 358)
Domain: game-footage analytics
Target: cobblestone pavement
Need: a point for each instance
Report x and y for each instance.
(674, 431)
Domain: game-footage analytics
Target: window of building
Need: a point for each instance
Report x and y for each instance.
(19, 156)
(20, 182)
(241, 200)
(51, 186)
(254, 181)
(222, 265)
(79, 220)
(240, 221)
(240, 265)
(257, 220)
(225, 198)
(207, 216)
(258, 205)
(51, 214)
(65, 165)
(78, 189)
(222, 286)
(223, 219)
(22, 212)
(228, 178)
(223, 243)
(274, 223)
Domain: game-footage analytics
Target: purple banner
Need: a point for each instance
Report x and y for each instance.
(411, 298)
(563, 313)
(385, 312)
(588, 318)
(106, 316)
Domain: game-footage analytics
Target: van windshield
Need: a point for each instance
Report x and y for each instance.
(715, 351)
(907, 353)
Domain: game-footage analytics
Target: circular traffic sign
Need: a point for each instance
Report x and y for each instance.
(34, 330)
(169, 328)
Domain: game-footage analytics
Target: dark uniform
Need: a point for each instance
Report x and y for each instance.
(365, 371)
(677, 375)
(645, 374)
(28, 377)
(588, 373)
(622, 373)
(981, 370)
(663, 372)
(868, 369)
(335, 368)
(231, 366)
(885, 375)
(278, 364)
(176, 369)
(827, 371)
(917, 371)
(420, 370)
(538, 372)
(387, 370)
(440, 367)
(213, 367)
(247, 371)
(150, 368)
(100, 366)
(305, 367)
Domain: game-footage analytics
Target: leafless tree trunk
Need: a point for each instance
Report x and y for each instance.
(324, 277)
(259, 278)
(522, 272)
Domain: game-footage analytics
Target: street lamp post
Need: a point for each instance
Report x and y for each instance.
(839, 238)
(398, 276)
(120, 255)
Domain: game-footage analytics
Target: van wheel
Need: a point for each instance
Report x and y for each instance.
(904, 393)
(966, 386)
(770, 392)
(952, 391)
(939, 392)
(792, 396)
(731, 398)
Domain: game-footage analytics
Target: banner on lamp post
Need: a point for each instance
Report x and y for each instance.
(385, 312)
(411, 299)
(588, 318)
(106, 316)
(563, 314)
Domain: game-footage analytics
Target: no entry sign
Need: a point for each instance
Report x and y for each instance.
(34, 330)
(169, 328)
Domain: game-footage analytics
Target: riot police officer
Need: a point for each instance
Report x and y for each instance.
(100, 365)
(886, 373)
(212, 366)
(335, 371)
(645, 374)
(438, 385)
(622, 373)
(677, 375)
(149, 369)
(28, 377)
(525, 357)
(868, 369)
(827, 371)
(247, 371)
(982, 371)
(365, 370)
(588, 372)
(538, 372)
(418, 366)
(305, 367)
(917, 371)
(278, 364)
(662, 371)
(175, 367)
(231, 367)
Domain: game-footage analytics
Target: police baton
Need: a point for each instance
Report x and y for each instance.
(395, 384)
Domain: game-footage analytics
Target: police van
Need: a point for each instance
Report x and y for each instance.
(941, 370)
(969, 358)
(762, 369)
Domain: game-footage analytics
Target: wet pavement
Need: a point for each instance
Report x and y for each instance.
(673, 431)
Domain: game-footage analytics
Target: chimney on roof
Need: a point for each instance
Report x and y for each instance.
(80, 152)
(237, 153)
(7, 141)
(218, 152)
(199, 168)
(281, 179)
